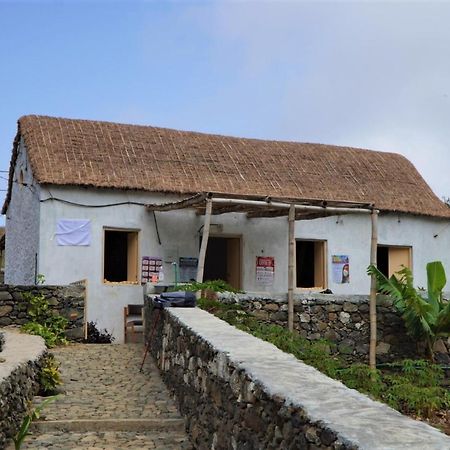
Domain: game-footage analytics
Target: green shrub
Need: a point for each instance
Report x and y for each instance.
(316, 354)
(213, 285)
(45, 323)
(420, 372)
(414, 387)
(410, 386)
(49, 376)
(362, 378)
(409, 398)
(41, 330)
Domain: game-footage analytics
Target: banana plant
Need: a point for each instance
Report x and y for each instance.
(426, 319)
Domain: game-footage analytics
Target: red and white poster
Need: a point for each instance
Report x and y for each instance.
(265, 270)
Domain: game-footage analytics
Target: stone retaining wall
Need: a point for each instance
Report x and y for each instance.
(68, 301)
(20, 364)
(343, 320)
(238, 392)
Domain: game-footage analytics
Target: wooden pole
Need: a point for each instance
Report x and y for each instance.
(291, 267)
(204, 245)
(373, 292)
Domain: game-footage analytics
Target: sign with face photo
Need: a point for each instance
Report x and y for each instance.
(340, 268)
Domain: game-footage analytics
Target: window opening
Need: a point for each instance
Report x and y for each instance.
(121, 256)
(310, 264)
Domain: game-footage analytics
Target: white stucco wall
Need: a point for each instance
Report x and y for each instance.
(179, 232)
(350, 235)
(22, 225)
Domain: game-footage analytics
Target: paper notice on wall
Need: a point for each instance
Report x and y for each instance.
(151, 268)
(340, 268)
(265, 270)
(74, 232)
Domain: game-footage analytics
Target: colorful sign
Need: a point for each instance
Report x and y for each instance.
(151, 268)
(340, 268)
(265, 270)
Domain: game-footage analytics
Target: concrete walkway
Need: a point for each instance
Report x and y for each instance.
(108, 404)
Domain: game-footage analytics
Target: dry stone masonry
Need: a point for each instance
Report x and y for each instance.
(342, 320)
(238, 392)
(68, 301)
(20, 364)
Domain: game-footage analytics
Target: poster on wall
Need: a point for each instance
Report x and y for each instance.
(340, 268)
(188, 269)
(265, 270)
(151, 267)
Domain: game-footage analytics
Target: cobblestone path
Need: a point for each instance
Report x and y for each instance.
(108, 404)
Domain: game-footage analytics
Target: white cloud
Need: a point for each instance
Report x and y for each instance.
(372, 75)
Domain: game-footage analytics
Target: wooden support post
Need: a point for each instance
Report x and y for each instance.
(373, 292)
(202, 255)
(291, 267)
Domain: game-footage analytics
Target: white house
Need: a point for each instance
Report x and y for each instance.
(78, 201)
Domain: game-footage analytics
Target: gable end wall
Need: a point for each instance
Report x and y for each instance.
(22, 224)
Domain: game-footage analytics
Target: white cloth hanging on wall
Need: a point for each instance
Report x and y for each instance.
(73, 232)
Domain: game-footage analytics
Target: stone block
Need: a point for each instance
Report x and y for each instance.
(344, 317)
(271, 307)
(5, 321)
(364, 308)
(305, 326)
(53, 301)
(75, 333)
(304, 317)
(5, 295)
(261, 314)
(362, 348)
(350, 307)
(439, 346)
(382, 348)
(5, 309)
(331, 335)
(346, 347)
(280, 316)
(332, 308)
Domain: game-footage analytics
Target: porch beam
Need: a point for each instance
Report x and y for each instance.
(204, 245)
(373, 291)
(299, 215)
(291, 266)
(275, 205)
(171, 206)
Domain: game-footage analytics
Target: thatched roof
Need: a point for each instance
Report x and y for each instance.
(111, 155)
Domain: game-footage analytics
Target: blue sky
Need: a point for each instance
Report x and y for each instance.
(365, 74)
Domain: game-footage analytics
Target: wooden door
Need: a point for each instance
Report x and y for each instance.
(398, 257)
(234, 262)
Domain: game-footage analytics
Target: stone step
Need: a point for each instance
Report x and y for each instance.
(98, 425)
(106, 440)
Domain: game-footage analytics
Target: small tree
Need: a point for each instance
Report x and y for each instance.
(426, 319)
